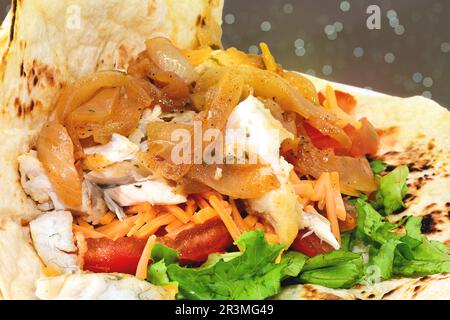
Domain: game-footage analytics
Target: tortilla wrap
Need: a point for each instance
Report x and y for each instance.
(43, 48)
(44, 45)
(415, 133)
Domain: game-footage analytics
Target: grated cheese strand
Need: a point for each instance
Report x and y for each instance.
(174, 233)
(269, 60)
(141, 271)
(179, 213)
(141, 220)
(174, 226)
(331, 209)
(87, 232)
(225, 215)
(118, 229)
(204, 215)
(333, 106)
(338, 201)
(151, 227)
(107, 218)
(237, 217)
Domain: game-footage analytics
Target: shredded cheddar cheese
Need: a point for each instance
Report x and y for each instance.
(179, 213)
(225, 215)
(332, 105)
(338, 201)
(151, 227)
(175, 232)
(237, 217)
(143, 218)
(141, 271)
(50, 272)
(204, 215)
(173, 226)
(269, 60)
(88, 233)
(107, 218)
(118, 229)
(250, 221)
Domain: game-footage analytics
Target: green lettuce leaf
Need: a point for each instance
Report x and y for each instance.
(337, 269)
(397, 254)
(383, 258)
(378, 166)
(157, 272)
(372, 228)
(392, 190)
(252, 275)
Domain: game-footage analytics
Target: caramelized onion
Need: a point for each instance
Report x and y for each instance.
(303, 85)
(98, 109)
(158, 159)
(234, 57)
(84, 89)
(270, 85)
(55, 151)
(124, 120)
(169, 90)
(237, 181)
(168, 58)
(220, 103)
(353, 172)
(163, 131)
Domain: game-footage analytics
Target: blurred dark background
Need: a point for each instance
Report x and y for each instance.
(410, 55)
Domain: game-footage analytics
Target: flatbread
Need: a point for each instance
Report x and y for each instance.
(45, 44)
(415, 132)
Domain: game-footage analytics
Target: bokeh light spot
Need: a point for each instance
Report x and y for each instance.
(327, 69)
(300, 52)
(288, 8)
(229, 19)
(345, 6)
(427, 94)
(266, 26)
(299, 43)
(428, 82)
(445, 47)
(253, 50)
(389, 57)
(399, 30)
(358, 52)
(417, 77)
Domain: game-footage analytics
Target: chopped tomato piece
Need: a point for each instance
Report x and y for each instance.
(105, 255)
(365, 140)
(122, 256)
(310, 245)
(197, 243)
(320, 140)
(345, 101)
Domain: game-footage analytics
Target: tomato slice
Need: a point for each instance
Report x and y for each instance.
(105, 255)
(345, 101)
(321, 141)
(196, 244)
(365, 140)
(310, 245)
(122, 256)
